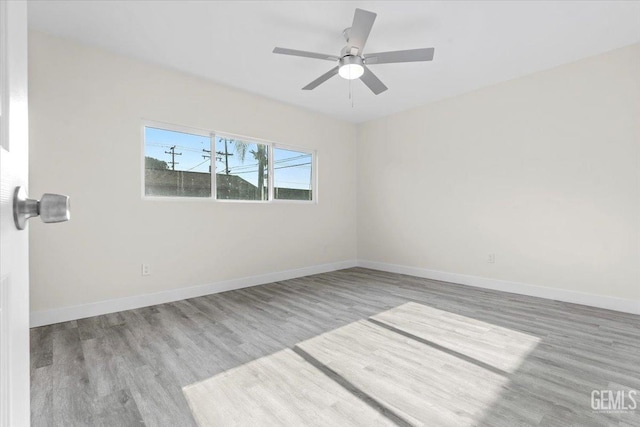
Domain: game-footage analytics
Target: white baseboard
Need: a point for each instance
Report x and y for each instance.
(48, 317)
(593, 300)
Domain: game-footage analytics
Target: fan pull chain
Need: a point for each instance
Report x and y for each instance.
(350, 97)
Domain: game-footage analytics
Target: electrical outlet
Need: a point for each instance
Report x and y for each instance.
(491, 259)
(146, 270)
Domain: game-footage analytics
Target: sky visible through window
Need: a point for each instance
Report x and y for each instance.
(292, 169)
(189, 149)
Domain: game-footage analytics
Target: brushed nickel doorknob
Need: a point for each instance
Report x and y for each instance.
(50, 208)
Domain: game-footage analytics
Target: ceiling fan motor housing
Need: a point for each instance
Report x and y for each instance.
(349, 60)
(350, 50)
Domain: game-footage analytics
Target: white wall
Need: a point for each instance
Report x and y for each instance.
(86, 107)
(543, 171)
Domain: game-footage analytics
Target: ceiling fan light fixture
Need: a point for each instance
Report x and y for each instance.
(351, 67)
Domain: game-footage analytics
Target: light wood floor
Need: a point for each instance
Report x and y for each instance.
(353, 347)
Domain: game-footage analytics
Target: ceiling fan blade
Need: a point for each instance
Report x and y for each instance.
(323, 78)
(411, 55)
(372, 82)
(304, 53)
(360, 29)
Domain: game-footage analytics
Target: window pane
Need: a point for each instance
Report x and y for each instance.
(177, 164)
(292, 172)
(241, 169)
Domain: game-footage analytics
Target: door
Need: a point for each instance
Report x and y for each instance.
(14, 249)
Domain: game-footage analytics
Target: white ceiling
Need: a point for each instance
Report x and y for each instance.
(478, 43)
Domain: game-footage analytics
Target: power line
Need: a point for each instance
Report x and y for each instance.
(181, 147)
(198, 150)
(292, 166)
(287, 159)
(235, 169)
(205, 161)
(251, 165)
(279, 167)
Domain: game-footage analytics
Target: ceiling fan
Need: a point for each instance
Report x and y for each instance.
(352, 62)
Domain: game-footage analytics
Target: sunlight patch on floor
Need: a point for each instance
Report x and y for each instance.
(423, 366)
(494, 345)
(279, 389)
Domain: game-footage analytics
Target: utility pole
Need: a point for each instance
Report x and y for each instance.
(173, 153)
(226, 155)
(207, 156)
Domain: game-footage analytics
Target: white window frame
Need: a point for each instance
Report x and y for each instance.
(212, 146)
(314, 171)
(174, 128)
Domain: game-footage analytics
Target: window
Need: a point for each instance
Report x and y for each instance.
(176, 164)
(242, 169)
(292, 174)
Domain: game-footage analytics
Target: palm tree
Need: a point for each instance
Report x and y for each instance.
(260, 155)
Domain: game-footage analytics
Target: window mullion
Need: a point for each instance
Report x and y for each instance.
(271, 177)
(212, 152)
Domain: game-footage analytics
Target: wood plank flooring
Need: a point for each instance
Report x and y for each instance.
(354, 347)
